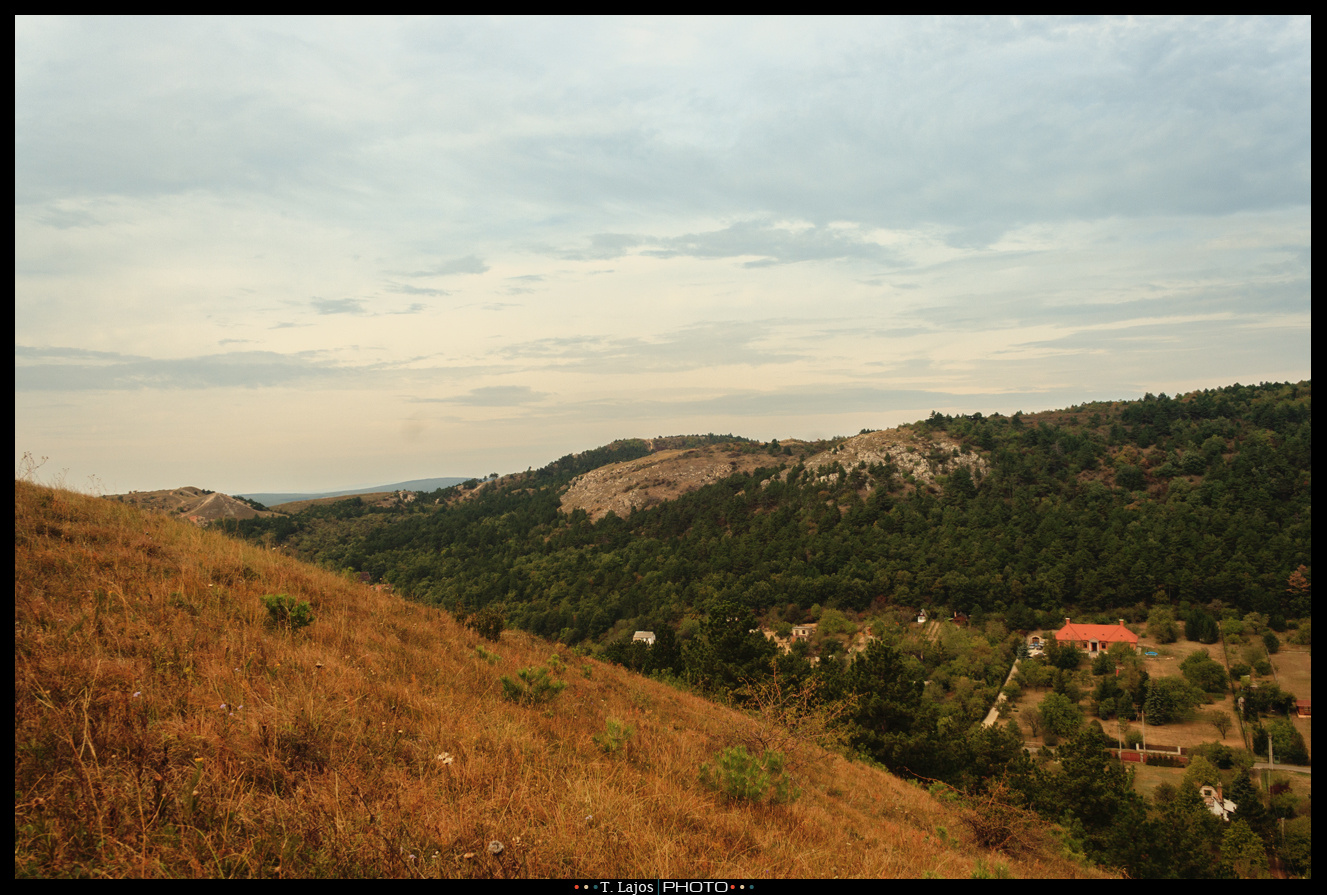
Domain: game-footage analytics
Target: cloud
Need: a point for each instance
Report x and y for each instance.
(763, 242)
(492, 396)
(357, 306)
(28, 354)
(71, 369)
(697, 346)
(774, 244)
(606, 246)
(338, 305)
(791, 404)
(470, 264)
(66, 218)
(406, 289)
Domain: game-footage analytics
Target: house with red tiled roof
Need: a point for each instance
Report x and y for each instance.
(1095, 638)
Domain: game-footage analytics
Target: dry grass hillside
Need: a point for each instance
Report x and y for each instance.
(164, 725)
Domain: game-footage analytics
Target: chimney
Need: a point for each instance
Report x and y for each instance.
(1066, 622)
(1121, 623)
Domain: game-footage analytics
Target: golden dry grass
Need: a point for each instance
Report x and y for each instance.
(164, 727)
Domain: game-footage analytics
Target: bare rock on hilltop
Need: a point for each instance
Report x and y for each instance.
(923, 456)
(662, 476)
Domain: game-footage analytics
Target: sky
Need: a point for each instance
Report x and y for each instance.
(305, 254)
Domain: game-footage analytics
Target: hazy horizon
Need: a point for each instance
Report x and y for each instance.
(288, 254)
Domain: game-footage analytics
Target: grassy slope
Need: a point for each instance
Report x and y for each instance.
(163, 728)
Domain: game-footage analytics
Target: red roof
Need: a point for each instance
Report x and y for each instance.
(1099, 633)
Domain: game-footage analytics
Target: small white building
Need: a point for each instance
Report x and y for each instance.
(1215, 802)
(646, 637)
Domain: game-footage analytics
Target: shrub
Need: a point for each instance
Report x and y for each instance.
(741, 776)
(286, 611)
(996, 871)
(791, 715)
(487, 623)
(535, 687)
(615, 736)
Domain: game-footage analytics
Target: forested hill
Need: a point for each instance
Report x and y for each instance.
(1098, 509)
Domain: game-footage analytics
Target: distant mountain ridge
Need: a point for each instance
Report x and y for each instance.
(272, 498)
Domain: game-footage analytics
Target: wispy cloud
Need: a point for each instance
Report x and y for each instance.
(65, 369)
(701, 345)
(407, 289)
(470, 264)
(492, 396)
(338, 305)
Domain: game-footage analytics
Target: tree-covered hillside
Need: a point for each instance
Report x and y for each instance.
(1200, 499)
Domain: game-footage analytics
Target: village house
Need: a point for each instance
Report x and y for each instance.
(1095, 638)
(1215, 802)
(803, 632)
(645, 637)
